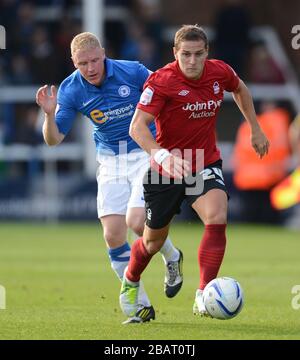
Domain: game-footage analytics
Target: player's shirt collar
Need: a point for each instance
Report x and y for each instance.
(108, 68)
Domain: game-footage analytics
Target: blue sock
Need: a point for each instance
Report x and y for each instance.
(119, 258)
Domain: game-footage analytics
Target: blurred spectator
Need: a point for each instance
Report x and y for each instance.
(44, 61)
(255, 177)
(67, 29)
(20, 71)
(139, 46)
(149, 54)
(22, 28)
(9, 129)
(134, 33)
(232, 26)
(3, 74)
(27, 131)
(263, 68)
(149, 14)
(115, 32)
(8, 12)
(115, 29)
(286, 194)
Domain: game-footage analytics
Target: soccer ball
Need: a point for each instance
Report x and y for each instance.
(223, 298)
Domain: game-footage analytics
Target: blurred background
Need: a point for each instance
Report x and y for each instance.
(53, 184)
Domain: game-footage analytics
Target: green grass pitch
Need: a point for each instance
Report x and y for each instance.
(59, 285)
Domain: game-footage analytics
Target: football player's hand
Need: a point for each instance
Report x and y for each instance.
(176, 166)
(45, 101)
(260, 143)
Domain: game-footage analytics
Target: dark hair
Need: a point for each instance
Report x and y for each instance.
(190, 33)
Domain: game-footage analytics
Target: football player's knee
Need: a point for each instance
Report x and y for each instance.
(153, 247)
(136, 225)
(216, 217)
(113, 238)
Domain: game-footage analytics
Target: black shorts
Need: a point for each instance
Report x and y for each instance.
(164, 196)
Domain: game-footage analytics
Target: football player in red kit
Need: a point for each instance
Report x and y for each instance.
(184, 98)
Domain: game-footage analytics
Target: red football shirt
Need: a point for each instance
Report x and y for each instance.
(186, 110)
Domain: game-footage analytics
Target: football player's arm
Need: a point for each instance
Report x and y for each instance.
(244, 101)
(48, 103)
(52, 136)
(141, 134)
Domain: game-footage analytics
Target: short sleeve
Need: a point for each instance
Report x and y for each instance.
(154, 96)
(232, 80)
(65, 111)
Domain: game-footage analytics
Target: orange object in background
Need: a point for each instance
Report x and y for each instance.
(287, 193)
(253, 173)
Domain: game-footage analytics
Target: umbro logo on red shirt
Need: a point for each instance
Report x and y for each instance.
(183, 92)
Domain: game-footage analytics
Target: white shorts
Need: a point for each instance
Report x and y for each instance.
(120, 182)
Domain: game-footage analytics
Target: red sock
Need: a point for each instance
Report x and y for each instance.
(139, 259)
(211, 252)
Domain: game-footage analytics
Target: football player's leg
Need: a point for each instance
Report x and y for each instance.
(142, 251)
(154, 236)
(137, 167)
(212, 210)
(172, 257)
(141, 254)
(115, 232)
(135, 220)
(112, 202)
